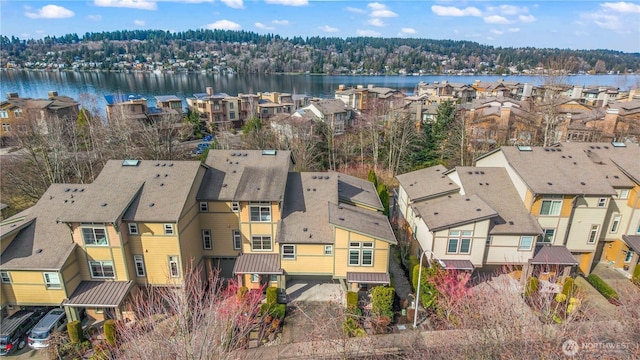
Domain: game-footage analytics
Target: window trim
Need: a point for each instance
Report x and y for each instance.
(329, 248)
(629, 256)
(594, 232)
(459, 236)
(255, 278)
(5, 277)
(360, 248)
(602, 202)
(260, 208)
(253, 238)
(173, 259)
(624, 194)
(544, 236)
(204, 206)
(102, 263)
(552, 201)
(236, 236)
(235, 206)
(616, 219)
(168, 229)
(95, 238)
(48, 283)
(291, 255)
(521, 248)
(139, 260)
(206, 237)
(133, 229)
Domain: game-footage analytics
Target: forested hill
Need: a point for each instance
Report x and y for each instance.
(249, 52)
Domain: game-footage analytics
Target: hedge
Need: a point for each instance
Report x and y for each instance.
(272, 295)
(74, 328)
(352, 299)
(382, 301)
(602, 287)
(110, 332)
(636, 274)
(568, 288)
(413, 261)
(532, 286)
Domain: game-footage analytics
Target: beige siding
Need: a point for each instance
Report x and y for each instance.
(558, 223)
(498, 159)
(478, 243)
(583, 219)
(310, 260)
(504, 250)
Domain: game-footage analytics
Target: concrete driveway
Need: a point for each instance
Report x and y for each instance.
(302, 290)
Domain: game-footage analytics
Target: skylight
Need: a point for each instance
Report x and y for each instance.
(525, 148)
(618, 144)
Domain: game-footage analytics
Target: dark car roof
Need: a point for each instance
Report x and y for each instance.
(11, 323)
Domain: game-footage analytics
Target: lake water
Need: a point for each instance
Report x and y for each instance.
(36, 84)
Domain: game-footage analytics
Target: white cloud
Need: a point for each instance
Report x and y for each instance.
(138, 22)
(131, 4)
(94, 17)
(288, 2)
(623, 7)
(514, 30)
(263, 26)
(408, 31)
(509, 10)
(355, 10)
(496, 19)
(40, 32)
(50, 12)
(376, 22)
(367, 33)
(329, 29)
(379, 10)
(489, 38)
(605, 21)
(496, 32)
(454, 11)
(527, 18)
(235, 4)
(223, 25)
(281, 22)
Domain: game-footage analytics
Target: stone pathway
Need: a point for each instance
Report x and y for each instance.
(400, 281)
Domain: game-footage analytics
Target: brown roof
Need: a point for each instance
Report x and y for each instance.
(553, 255)
(426, 183)
(458, 264)
(226, 178)
(358, 191)
(617, 165)
(99, 294)
(366, 222)
(633, 241)
(257, 264)
(368, 278)
(451, 211)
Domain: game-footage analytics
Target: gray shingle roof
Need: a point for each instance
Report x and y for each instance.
(426, 183)
(494, 186)
(358, 191)
(368, 278)
(557, 170)
(305, 218)
(41, 242)
(99, 294)
(226, 179)
(633, 241)
(615, 164)
(363, 221)
(553, 255)
(455, 210)
(330, 106)
(257, 264)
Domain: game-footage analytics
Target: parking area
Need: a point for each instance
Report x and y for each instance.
(310, 290)
(28, 353)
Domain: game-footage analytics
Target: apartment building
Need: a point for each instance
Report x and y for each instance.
(217, 109)
(146, 223)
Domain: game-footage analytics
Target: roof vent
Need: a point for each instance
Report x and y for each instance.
(103, 204)
(467, 199)
(341, 218)
(304, 229)
(583, 183)
(157, 164)
(575, 163)
(165, 175)
(480, 184)
(326, 177)
(224, 185)
(81, 189)
(340, 207)
(563, 156)
(558, 150)
(245, 154)
(65, 201)
(314, 189)
(233, 154)
(376, 223)
(549, 183)
(435, 213)
(38, 251)
(259, 189)
(161, 184)
(606, 147)
(481, 172)
(616, 177)
(152, 204)
(308, 189)
(236, 163)
(478, 209)
(470, 172)
(314, 177)
(171, 165)
(157, 175)
(437, 169)
(131, 163)
(547, 150)
(510, 222)
(75, 190)
(477, 172)
(570, 157)
(67, 190)
(410, 184)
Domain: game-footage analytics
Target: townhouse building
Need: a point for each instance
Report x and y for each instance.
(331, 111)
(90, 247)
(217, 109)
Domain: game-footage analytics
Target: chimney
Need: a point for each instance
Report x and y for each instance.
(209, 90)
(52, 94)
(341, 87)
(370, 86)
(360, 87)
(13, 95)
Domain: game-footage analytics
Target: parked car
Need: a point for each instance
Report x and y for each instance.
(39, 336)
(14, 329)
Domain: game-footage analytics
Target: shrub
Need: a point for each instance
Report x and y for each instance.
(382, 301)
(532, 286)
(568, 288)
(602, 287)
(110, 332)
(560, 297)
(373, 178)
(75, 332)
(278, 311)
(242, 292)
(636, 275)
(351, 328)
(352, 299)
(413, 261)
(428, 291)
(272, 295)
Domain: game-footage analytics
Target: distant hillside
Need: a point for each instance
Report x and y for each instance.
(249, 52)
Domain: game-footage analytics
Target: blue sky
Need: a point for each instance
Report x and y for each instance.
(557, 24)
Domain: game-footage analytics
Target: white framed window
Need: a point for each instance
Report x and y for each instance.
(204, 206)
(168, 229)
(102, 269)
(255, 278)
(328, 249)
(96, 236)
(4, 277)
(174, 270)
(206, 239)
(261, 243)
(624, 194)
(237, 240)
(548, 236)
(133, 229)
(235, 206)
(615, 223)
(459, 242)
(526, 243)
(593, 234)
(232, 114)
(289, 252)
(550, 207)
(628, 256)
(260, 213)
(6, 127)
(488, 243)
(361, 253)
(4, 114)
(602, 202)
(17, 112)
(52, 280)
(273, 278)
(138, 261)
(230, 105)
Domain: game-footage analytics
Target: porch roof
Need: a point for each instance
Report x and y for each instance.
(257, 264)
(458, 265)
(99, 294)
(368, 278)
(633, 241)
(553, 255)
